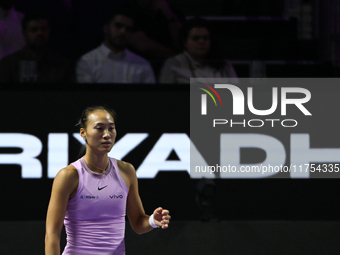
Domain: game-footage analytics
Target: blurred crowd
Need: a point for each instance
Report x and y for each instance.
(106, 41)
(155, 41)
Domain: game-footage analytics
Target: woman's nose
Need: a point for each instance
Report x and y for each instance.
(106, 134)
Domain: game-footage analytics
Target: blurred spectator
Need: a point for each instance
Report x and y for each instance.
(89, 17)
(35, 62)
(111, 62)
(157, 29)
(59, 13)
(200, 59)
(98, 10)
(11, 38)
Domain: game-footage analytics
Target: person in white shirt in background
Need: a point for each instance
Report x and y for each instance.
(200, 59)
(112, 62)
(11, 38)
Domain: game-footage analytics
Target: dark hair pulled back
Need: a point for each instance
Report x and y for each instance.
(82, 123)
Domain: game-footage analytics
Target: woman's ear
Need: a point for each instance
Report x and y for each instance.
(83, 133)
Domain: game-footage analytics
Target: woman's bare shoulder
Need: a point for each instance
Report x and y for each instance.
(68, 175)
(125, 166)
(127, 169)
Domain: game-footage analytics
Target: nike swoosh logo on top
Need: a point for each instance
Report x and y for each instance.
(102, 187)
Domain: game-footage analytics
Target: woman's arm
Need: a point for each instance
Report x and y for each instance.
(139, 221)
(64, 187)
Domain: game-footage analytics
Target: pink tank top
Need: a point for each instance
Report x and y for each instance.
(95, 216)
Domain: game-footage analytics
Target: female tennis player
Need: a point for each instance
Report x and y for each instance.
(92, 196)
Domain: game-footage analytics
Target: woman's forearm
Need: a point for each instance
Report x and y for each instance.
(52, 245)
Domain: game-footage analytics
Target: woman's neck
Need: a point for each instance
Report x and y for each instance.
(96, 163)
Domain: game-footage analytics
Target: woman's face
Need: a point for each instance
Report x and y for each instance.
(198, 42)
(100, 132)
